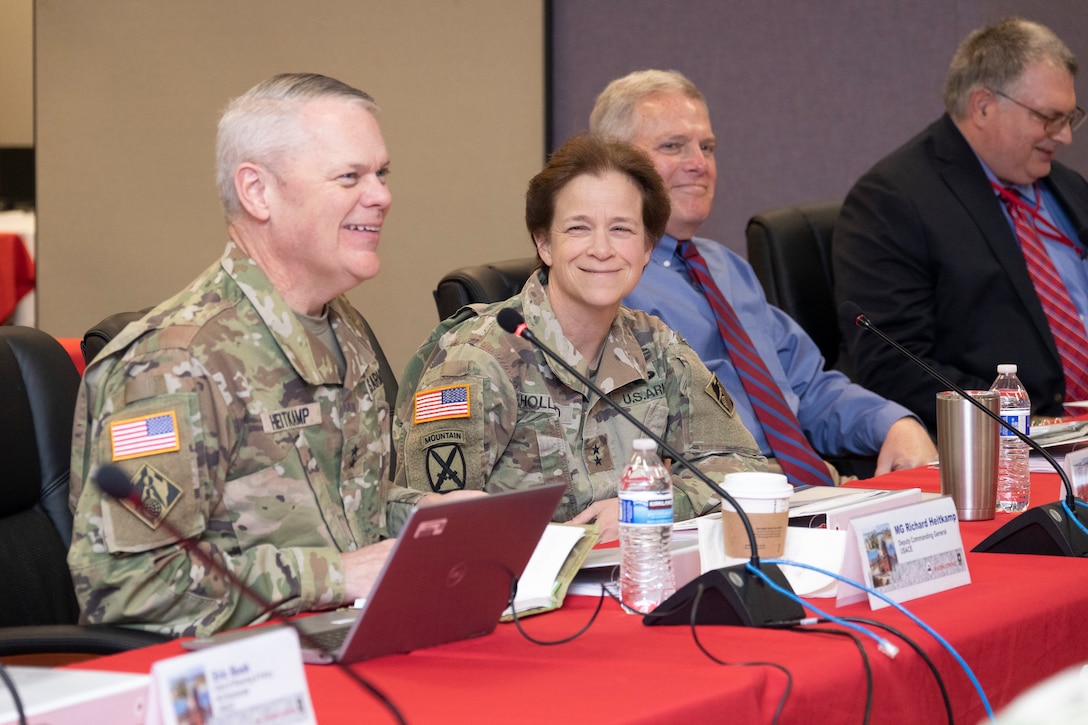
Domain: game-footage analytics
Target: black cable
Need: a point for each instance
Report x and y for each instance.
(921, 653)
(115, 483)
(373, 690)
(14, 694)
(695, 635)
(864, 661)
(571, 638)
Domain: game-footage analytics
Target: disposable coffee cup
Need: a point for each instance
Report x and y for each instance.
(765, 498)
(967, 448)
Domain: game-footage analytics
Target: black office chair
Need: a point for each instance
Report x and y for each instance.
(38, 607)
(492, 282)
(98, 336)
(789, 248)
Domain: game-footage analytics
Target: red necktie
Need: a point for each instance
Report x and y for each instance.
(1061, 315)
(799, 461)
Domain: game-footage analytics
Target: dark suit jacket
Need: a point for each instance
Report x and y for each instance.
(923, 246)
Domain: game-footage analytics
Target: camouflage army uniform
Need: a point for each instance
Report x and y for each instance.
(230, 420)
(525, 422)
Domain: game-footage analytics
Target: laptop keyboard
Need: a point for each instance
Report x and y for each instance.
(329, 640)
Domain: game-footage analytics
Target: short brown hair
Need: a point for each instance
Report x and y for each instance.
(589, 155)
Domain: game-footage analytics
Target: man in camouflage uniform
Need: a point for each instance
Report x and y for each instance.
(248, 410)
(481, 408)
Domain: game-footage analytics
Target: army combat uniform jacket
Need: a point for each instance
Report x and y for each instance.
(482, 408)
(234, 426)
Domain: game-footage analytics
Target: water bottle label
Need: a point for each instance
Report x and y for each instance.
(651, 508)
(1018, 419)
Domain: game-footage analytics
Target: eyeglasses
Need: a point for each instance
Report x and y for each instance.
(1053, 125)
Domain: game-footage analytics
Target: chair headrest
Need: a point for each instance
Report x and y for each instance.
(99, 336)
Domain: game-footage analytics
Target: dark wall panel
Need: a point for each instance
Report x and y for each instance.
(804, 96)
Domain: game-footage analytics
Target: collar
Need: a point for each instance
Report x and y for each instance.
(310, 360)
(622, 359)
(666, 250)
(1026, 191)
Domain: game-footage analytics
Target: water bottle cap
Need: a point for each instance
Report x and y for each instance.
(1006, 369)
(644, 444)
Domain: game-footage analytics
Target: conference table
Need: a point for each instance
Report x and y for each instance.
(1019, 621)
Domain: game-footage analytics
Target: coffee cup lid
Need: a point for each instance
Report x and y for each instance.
(757, 484)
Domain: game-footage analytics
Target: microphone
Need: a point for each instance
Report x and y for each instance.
(731, 595)
(1054, 529)
(115, 483)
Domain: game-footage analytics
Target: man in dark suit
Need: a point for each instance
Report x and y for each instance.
(944, 243)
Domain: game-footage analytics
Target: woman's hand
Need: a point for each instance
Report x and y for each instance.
(607, 515)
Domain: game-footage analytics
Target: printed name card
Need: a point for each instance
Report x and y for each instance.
(256, 679)
(1076, 467)
(904, 553)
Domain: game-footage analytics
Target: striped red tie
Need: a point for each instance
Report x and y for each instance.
(1061, 314)
(799, 461)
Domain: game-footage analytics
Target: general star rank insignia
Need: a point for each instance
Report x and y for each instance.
(721, 396)
(596, 454)
(157, 493)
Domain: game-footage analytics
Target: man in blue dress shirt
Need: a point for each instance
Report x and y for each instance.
(663, 113)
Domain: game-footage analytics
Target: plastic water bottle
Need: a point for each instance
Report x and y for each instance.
(1013, 480)
(645, 494)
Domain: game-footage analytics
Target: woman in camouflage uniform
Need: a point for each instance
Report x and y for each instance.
(480, 408)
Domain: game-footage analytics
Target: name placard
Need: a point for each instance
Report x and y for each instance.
(256, 679)
(1076, 467)
(904, 553)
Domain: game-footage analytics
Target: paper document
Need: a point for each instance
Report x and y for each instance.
(1038, 464)
(833, 508)
(822, 548)
(1060, 434)
(843, 497)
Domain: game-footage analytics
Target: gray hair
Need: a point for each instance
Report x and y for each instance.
(613, 112)
(997, 55)
(261, 125)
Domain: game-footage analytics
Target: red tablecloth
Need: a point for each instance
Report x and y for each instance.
(16, 273)
(1019, 621)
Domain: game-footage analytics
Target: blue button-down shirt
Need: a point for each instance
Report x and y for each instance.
(838, 416)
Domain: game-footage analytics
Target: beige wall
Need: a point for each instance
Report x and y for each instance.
(16, 73)
(128, 94)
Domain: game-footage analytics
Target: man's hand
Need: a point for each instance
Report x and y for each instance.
(607, 515)
(361, 568)
(433, 498)
(907, 445)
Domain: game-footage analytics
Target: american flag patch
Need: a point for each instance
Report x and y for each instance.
(441, 403)
(155, 433)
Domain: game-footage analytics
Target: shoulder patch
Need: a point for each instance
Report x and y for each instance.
(721, 396)
(441, 404)
(158, 494)
(144, 436)
(446, 468)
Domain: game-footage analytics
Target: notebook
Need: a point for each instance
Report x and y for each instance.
(447, 579)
